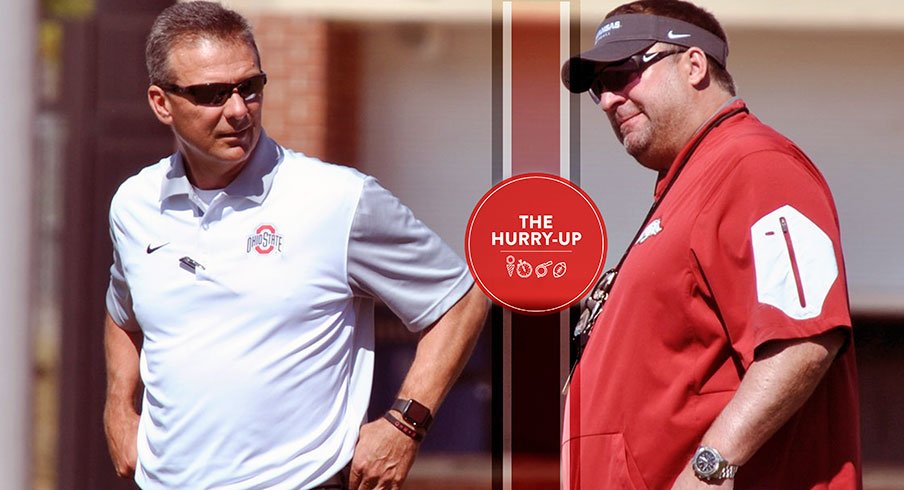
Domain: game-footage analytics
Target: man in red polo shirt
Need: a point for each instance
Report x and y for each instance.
(724, 354)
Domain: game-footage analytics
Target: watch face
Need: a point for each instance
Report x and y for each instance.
(416, 413)
(706, 462)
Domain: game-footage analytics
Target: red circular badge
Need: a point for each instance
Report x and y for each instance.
(535, 243)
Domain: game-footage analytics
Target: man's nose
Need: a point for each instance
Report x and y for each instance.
(609, 100)
(235, 106)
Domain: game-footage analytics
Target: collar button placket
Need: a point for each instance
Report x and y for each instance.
(204, 242)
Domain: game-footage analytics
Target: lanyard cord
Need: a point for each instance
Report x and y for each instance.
(674, 178)
(594, 303)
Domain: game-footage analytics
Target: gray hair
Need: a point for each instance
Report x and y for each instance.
(185, 23)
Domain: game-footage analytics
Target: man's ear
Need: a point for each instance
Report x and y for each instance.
(160, 104)
(699, 66)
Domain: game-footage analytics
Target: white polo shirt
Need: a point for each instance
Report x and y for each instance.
(257, 314)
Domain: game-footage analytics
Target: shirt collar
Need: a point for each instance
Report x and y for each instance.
(666, 176)
(252, 183)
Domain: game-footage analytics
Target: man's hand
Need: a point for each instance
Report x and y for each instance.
(121, 349)
(384, 454)
(122, 440)
(687, 480)
(382, 457)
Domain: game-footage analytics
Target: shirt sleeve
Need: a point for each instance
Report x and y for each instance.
(394, 257)
(119, 299)
(769, 253)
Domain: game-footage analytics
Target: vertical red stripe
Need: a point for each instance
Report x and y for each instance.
(535, 340)
(535, 87)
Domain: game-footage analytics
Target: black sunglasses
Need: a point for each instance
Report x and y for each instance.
(216, 94)
(614, 78)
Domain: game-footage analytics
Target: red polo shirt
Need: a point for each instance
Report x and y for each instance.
(744, 249)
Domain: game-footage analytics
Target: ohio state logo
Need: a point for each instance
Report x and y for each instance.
(265, 240)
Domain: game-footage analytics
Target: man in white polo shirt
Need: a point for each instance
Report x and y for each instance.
(242, 288)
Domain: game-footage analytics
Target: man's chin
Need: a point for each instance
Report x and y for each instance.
(641, 153)
(234, 153)
(236, 149)
(634, 147)
(232, 156)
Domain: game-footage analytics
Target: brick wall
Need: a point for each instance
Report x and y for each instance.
(310, 102)
(343, 91)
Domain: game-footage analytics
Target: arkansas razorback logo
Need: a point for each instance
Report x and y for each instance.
(265, 240)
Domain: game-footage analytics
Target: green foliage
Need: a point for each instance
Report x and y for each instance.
(68, 9)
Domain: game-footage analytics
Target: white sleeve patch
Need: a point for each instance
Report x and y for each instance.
(794, 261)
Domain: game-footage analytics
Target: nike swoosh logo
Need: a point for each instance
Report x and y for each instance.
(648, 56)
(672, 35)
(158, 247)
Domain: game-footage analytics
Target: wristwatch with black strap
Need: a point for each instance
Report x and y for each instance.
(708, 464)
(414, 413)
(417, 416)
